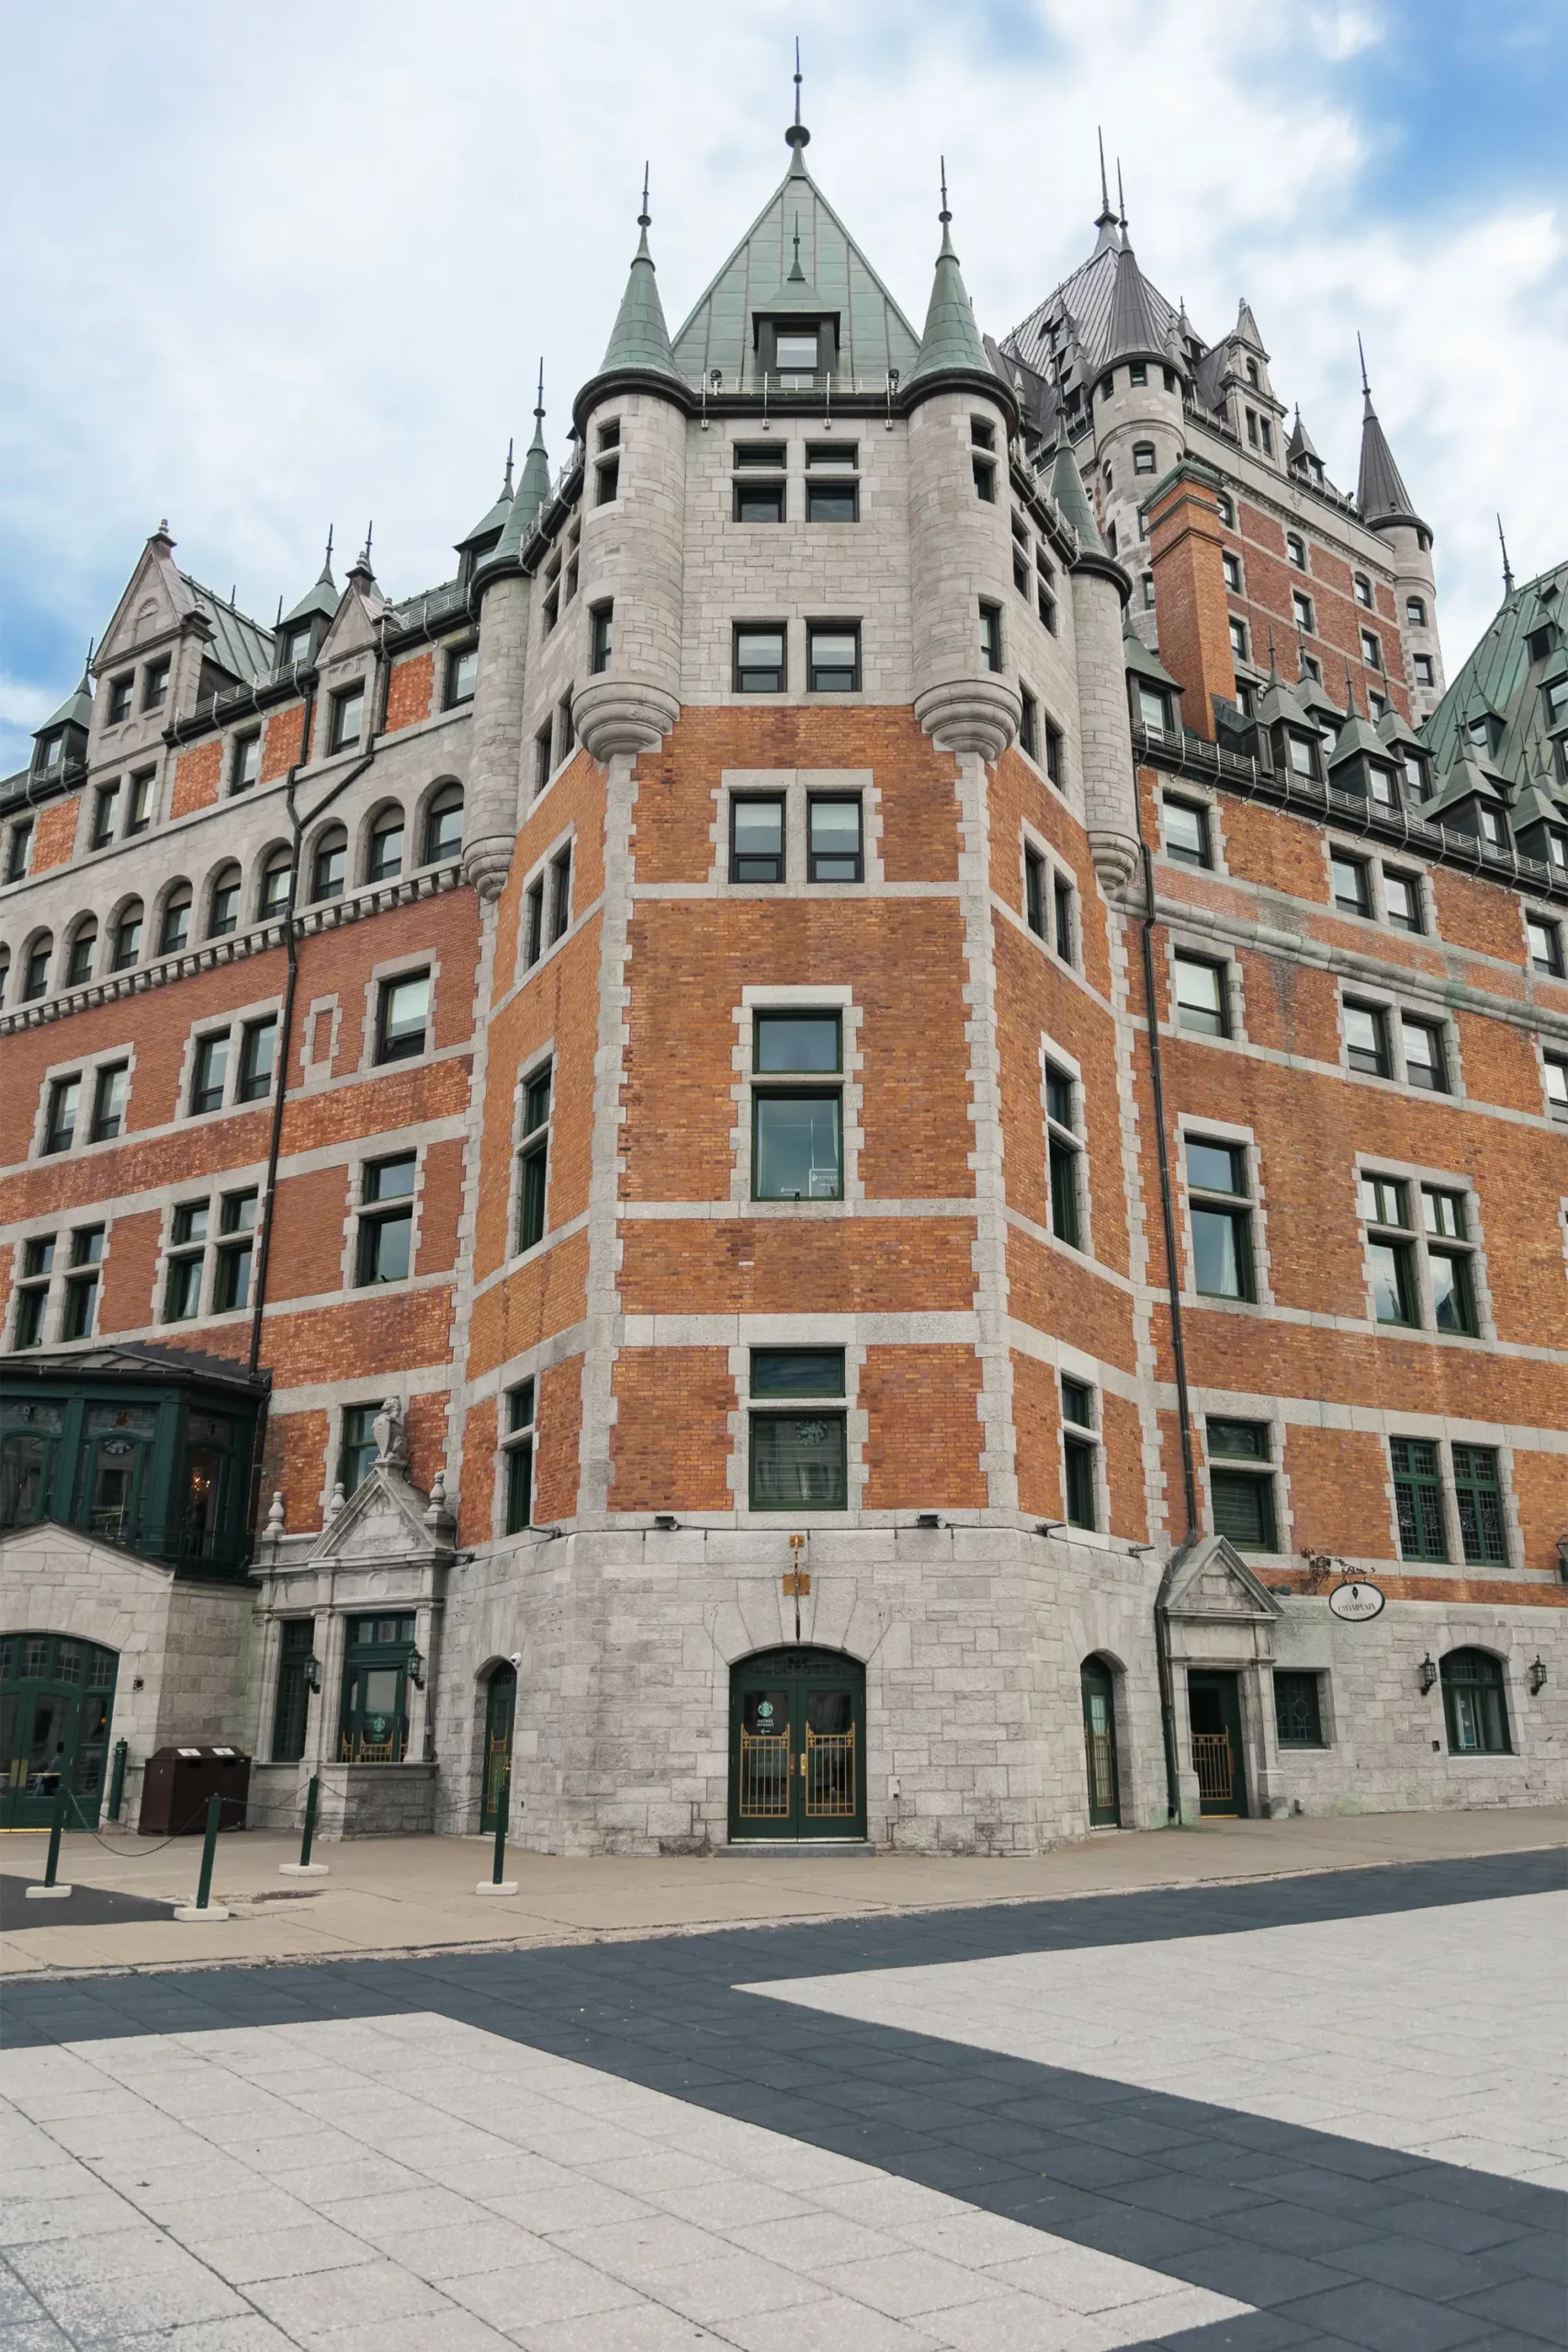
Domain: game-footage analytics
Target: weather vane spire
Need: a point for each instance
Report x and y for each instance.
(645, 217)
(539, 408)
(1508, 567)
(798, 136)
(944, 216)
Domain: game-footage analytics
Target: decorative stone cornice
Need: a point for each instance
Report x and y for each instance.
(622, 715)
(486, 864)
(1115, 859)
(971, 715)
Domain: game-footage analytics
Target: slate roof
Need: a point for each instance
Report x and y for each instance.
(874, 333)
(76, 710)
(239, 645)
(139, 1359)
(951, 340)
(1380, 492)
(1499, 676)
(1086, 303)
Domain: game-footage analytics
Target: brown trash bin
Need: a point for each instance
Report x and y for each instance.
(177, 1782)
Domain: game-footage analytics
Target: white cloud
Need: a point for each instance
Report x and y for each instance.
(263, 284)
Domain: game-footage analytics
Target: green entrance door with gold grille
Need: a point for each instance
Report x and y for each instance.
(797, 1745)
(56, 1703)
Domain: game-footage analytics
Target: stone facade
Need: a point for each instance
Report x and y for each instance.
(590, 1265)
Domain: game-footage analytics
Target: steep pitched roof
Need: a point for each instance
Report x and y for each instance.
(1067, 489)
(1499, 676)
(950, 343)
(640, 338)
(1081, 308)
(874, 333)
(320, 601)
(239, 645)
(1135, 327)
(1245, 330)
(76, 710)
(1381, 494)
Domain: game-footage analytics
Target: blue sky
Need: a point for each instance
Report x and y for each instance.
(272, 272)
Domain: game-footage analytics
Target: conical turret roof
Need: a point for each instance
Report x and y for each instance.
(1135, 329)
(641, 339)
(76, 710)
(321, 601)
(531, 495)
(495, 518)
(950, 343)
(1067, 489)
(1380, 495)
(1246, 327)
(1302, 444)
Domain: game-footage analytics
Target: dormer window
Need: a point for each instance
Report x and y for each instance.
(798, 352)
(1252, 375)
(1314, 472)
(297, 646)
(52, 750)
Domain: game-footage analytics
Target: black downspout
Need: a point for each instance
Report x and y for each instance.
(298, 826)
(1173, 1299)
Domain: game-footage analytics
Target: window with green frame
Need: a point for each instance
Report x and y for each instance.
(518, 1445)
(1418, 1499)
(797, 1130)
(533, 1159)
(799, 1461)
(1243, 1497)
(1478, 1493)
(296, 1649)
(1475, 1708)
(1298, 1710)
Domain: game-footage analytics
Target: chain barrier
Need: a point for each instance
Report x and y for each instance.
(453, 1819)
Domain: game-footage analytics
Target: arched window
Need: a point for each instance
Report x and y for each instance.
(443, 825)
(1363, 590)
(1475, 1704)
(35, 972)
(126, 936)
(1143, 456)
(330, 863)
(385, 860)
(278, 874)
(174, 933)
(1415, 611)
(224, 913)
(84, 940)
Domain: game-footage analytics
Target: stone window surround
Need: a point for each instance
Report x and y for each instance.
(798, 997)
(1206, 948)
(1414, 1176)
(538, 1058)
(1057, 870)
(1050, 1051)
(231, 1023)
(61, 1226)
(1327, 1714)
(796, 787)
(150, 763)
(1439, 1432)
(540, 869)
(1048, 725)
(1558, 1050)
(1551, 917)
(406, 967)
(1376, 858)
(364, 1158)
(857, 1423)
(86, 1067)
(213, 1189)
(1204, 1129)
(1378, 995)
(1199, 797)
(1247, 1408)
(1092, 1435)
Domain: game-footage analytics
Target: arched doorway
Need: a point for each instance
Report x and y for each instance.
(56, 1704)
(501, 1714)
(797, 1745)
(1099, 1685)
(1475, 1704)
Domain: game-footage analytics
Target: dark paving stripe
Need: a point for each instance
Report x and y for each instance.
(1339, 2243)
(85, 1906)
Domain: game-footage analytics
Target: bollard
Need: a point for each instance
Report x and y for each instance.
(117, 1777)
(204, 1907)
(49, 1890)
(305, 1867)
(497, 1884)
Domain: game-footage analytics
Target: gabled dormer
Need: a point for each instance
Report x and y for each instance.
(1541, 823)
(1153, 696)
(485, 537)
(1472, 800)
(60, 746)
(300, 631)
(1414, 757)
(1294, 736)
(1362, 763)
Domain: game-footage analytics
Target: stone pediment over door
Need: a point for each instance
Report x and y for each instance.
(387, 1518)
(1209, 1581)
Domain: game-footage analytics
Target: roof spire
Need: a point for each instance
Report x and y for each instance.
(1508, 567)
(951, 340)
(326, 579)
(798, 136)
(506, 478)
(1105, 218)
(1121, 200)
(1380, 492)
(1360, 354)
(639, 338)
(1349, 689)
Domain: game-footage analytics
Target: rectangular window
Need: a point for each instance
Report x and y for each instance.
(1298, 1710)
(187, 1257)
(211, 1074)
(64, 1100)
(759, 502)
(1062, 1150)
(1222, 1229)
(518, 1449)
(832, 502)
(1053, 754)
(1372, 650)
(106, 806)
(356, 1453)
(990, 637)
(1300, 610)
(1454, 1289)
(534, 922)
(1402, 896)
(757, 840)
(1478, 1495)
(1545, 945)
(566, 728)
(82, 1283)
(1062, 895)
(121, 692)
(347, 717)
(244, 761)
(1243, 1499)
(1391, 1251)
(798, 1132)
(544, 763)
(534, 1157)
(1425, 674)
(1034, 871)
(258, 1060)
(1077, 1454)
(155, 686)
(403, 1018)
(1426, 1063)
(835, 455)
(798, 1460)
(236, 1245)
(386, 1227)
(796, 353)
(757, 453)
(109, 1092)
(600, 637)
(832, 657)
(1238, 639)
(1352, 884)
(607, 481)
(610, 434)
(984, 480)
(1200, 997)
(833, 839)
(1187, 833)
(1556, 1073)
(32, 1292)
(759, 660)
(1366, 1039)
(1029, 724)
(1231, 566)
(462, 672)
(560, 895)
(1418, 1499)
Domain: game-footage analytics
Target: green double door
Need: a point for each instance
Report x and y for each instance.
(797, 1745)
(56, 1706)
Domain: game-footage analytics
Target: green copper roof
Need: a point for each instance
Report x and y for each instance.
(76, 710)
(494, 519)
(640, 338)
(951, 340)
(1066, 487)
(1466, 780)
(1500, 676)
(1357, 738)
(1137, 658)
(874, 333)
(320, 603)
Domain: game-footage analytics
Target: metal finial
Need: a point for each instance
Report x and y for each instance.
(328, 564)
(1508, 567)
(1104, 190)
(1360, 354)
(1120, 199)
(370, 535)
(278, 622)
(1273, 665)
(798, 136)
(1349, 689)
(645, 217)
(539, 409)
(509, 450)
(944, 216)
(797, 80)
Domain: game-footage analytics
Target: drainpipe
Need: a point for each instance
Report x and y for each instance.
(298, 826)
(1173, 1300)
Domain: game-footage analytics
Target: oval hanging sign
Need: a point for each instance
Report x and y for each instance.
(1357, 1602)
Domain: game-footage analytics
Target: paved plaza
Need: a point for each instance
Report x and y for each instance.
(1279, 2115)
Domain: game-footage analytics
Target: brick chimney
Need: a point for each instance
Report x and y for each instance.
(1190, 611)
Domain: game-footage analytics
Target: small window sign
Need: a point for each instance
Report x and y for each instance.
(223, 1751)
(190, 1752)
(1357, 1603)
